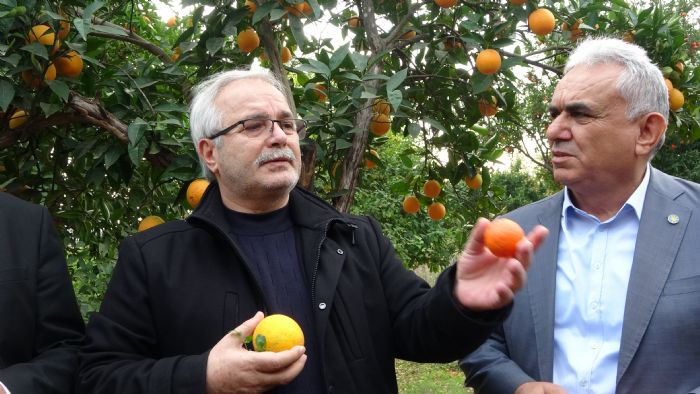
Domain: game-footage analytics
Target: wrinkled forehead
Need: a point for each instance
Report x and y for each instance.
(250, 93)
(589, 83)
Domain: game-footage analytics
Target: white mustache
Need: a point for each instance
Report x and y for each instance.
(285, 153)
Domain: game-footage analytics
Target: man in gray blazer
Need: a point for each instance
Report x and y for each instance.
(612, 302)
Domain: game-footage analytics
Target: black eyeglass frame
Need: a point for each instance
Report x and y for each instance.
(301, 131)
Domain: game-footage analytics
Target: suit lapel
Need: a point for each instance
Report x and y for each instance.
(541, 286)
(658, 240)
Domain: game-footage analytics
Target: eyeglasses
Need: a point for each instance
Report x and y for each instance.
(253, 128)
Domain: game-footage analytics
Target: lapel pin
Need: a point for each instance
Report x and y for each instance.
(673, 218)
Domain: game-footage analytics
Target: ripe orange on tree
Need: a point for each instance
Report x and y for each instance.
(195, 191)
(676, 99)
(319, 90)
(172, 21)
(474, 182)
(43, 34)
(488, 108)
(446, 3)
(381, 107)
(285, 55)
(436, 211)
(379, 125)
(354, 22)
(411, 205)
(452, 43)
(432, 188)
(248, 40)
(69, 65)
(369, 164)
(541, 21)
(251, 5)
(408, 35)
(276, 333)
(502, 236)
(64, 29)
(488, 61)
(18, 118)
(669, 85)
(150, 221)
(518, 2)
(304, 8)
(34, 80)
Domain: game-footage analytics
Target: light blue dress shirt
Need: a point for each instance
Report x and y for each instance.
(593, 270)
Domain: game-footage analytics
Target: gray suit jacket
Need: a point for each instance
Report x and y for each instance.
(660, 345)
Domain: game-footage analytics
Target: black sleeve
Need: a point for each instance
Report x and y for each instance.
(58, 326)
(121, 351)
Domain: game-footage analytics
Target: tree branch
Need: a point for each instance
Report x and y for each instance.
(132, 38)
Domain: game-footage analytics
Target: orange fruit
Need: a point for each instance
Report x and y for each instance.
(452, 43)
(172, 21)
(676, 99)
(381, 107)
(276, 333)
(488, 61)
(379, 125)
(541, 21)
(304, 8)
(411, 205)
(354, 22)
(408, 35)
(320, 89)
(432, 188)
(195, 191)
(285, 55)
(43, 34)
(628, 36)
(436, 211)
(502, 237)
(251, 5)
(669, 85)
(486, 108)
(369, 164)
(174, 57)
(446, 3)
(34, 80)
(64, 29)
(70, 65)
(679, 66)
(150, 221)
(18, 118)
(248, 40)
(474, 182)
(518, 2)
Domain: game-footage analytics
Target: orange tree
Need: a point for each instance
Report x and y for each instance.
(105, 143)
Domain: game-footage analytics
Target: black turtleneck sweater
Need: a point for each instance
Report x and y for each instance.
(268, 242)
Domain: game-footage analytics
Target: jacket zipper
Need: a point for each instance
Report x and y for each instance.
(318, 253)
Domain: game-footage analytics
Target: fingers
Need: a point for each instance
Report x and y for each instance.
(537, 235)
(475, 243)
(527, 246)
(246, 328)
(269, 362)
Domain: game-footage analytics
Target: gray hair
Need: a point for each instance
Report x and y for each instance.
(205, 117)
(641, 83)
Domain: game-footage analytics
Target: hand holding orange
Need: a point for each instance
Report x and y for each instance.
(276, 333)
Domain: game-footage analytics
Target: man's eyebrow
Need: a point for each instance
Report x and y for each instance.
(576, 107)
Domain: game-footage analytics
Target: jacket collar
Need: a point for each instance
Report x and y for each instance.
(307, 210)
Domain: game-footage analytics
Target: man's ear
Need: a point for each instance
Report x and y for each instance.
(652, 126)
(206, 149)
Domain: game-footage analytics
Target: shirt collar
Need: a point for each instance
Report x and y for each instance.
(635, 201)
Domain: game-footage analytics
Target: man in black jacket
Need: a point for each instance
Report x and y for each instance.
(258, 244)
(41, 328)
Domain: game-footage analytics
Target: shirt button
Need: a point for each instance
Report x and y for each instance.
(583, 383)
(322, 306)
(340, 251)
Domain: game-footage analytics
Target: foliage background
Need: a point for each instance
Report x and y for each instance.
(111, 146)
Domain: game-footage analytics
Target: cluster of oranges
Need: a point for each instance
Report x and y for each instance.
(432, 189)
(380, 122)
(66, 63)
(195, 191)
